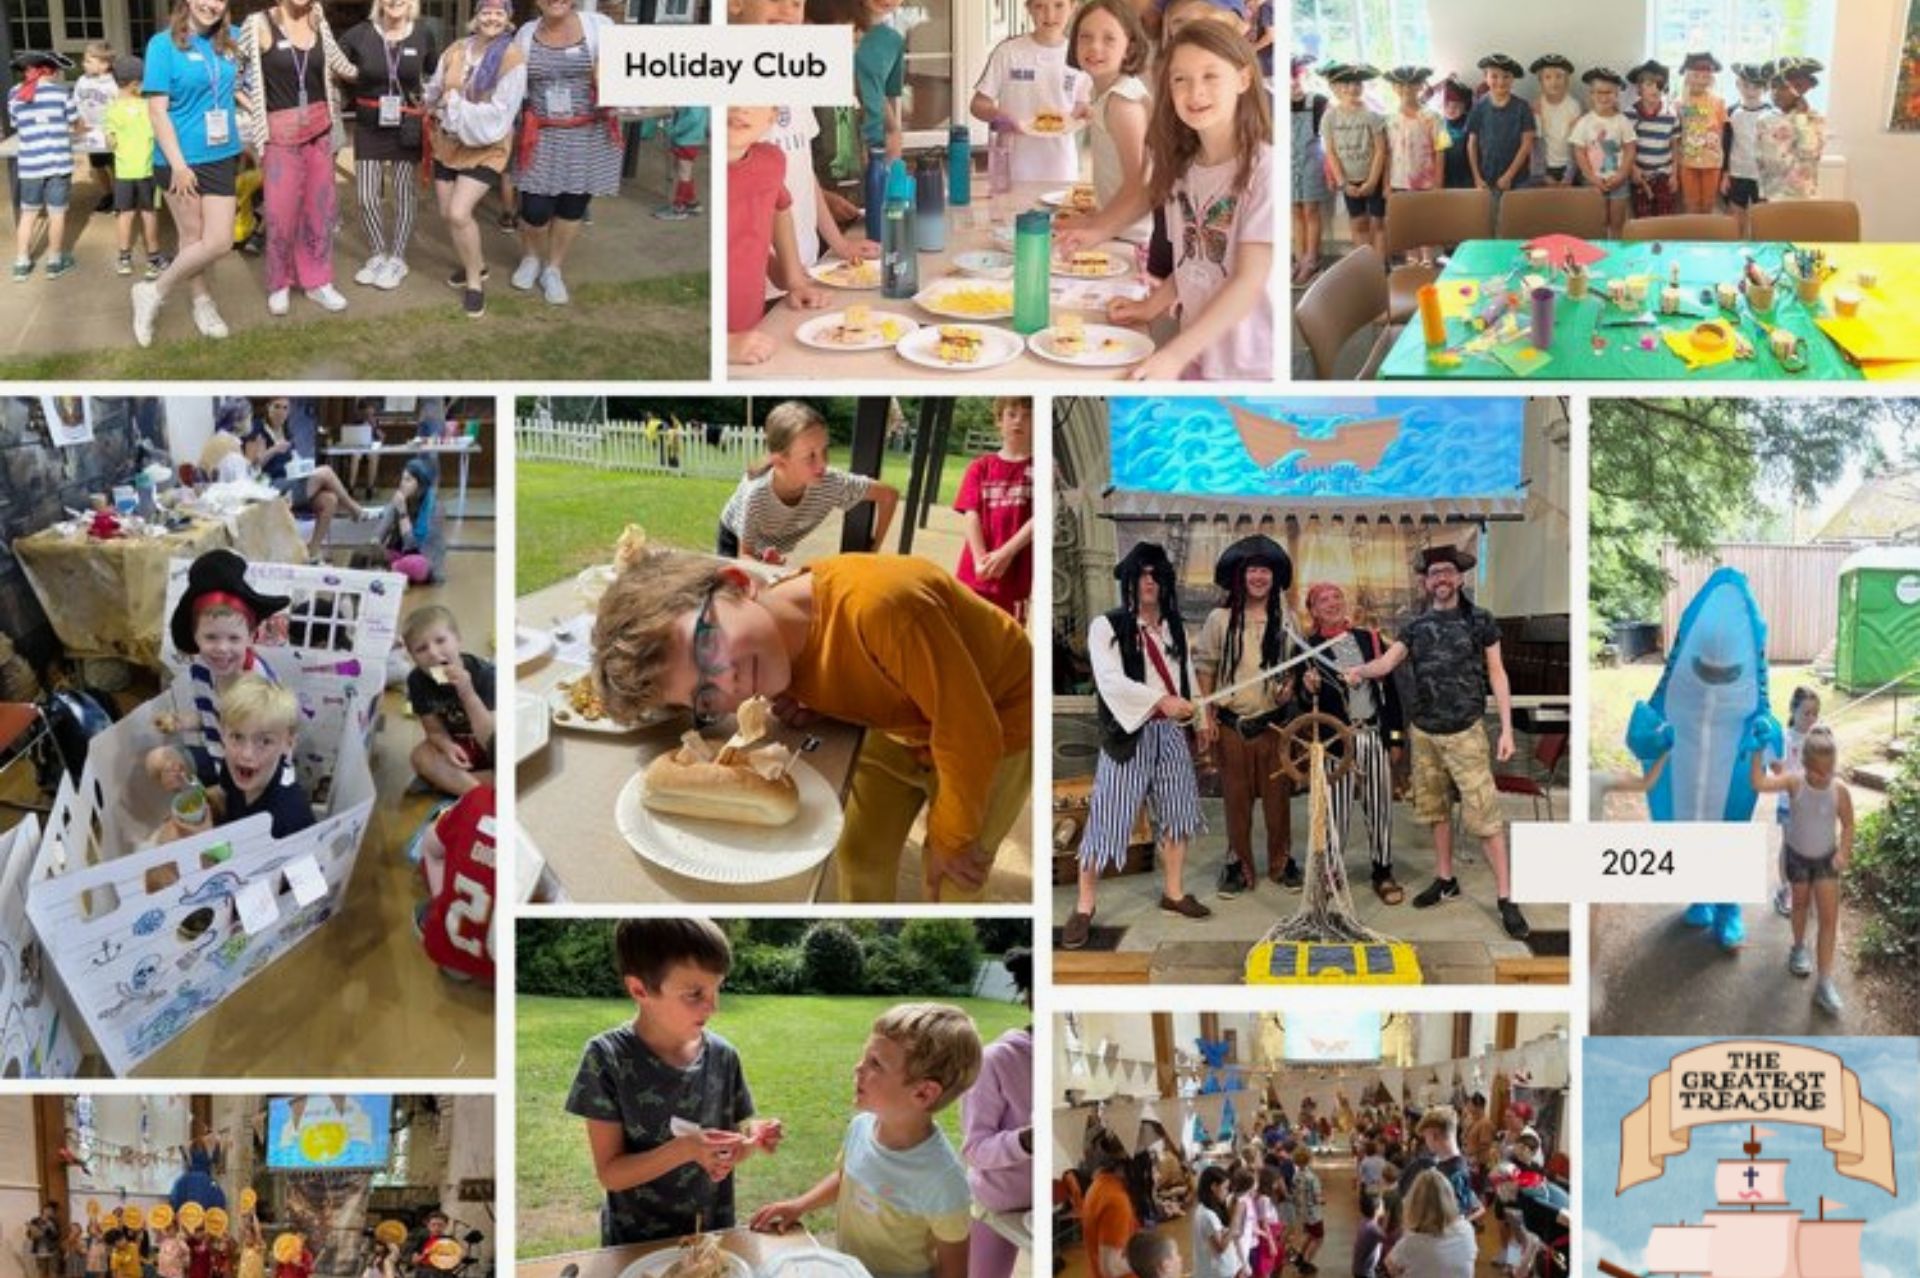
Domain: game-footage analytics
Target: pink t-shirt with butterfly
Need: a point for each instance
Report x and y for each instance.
(1208, 223)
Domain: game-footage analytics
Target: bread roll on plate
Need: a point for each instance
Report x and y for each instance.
(682, 783)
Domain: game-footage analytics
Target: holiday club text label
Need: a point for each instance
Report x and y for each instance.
(781, 66)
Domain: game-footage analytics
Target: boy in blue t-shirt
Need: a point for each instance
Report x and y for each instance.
(255, 775)
(43, 116)
(1500, 132)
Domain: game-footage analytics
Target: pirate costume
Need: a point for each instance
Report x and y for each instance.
(1372, 709)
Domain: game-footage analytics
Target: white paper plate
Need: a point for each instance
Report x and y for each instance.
(835, 273)
(562, 712)
(936, 298)
(1131, 348)
(529, 725)
(660, 1261)
(593, 583)
(986, 264)
(1059, 199)
(721, 852)
(1070, 125)
(997, 347)
(529, 645)
(816, 332)
(815, 1262)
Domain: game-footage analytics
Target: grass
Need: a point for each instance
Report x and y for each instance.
(572, 515)
(652, 329)
(798, 1053)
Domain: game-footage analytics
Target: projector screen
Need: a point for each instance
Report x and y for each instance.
(1321, 1037)
(329, 1133)
(1303, 450)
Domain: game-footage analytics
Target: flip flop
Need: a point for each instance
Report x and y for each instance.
(1389, 892)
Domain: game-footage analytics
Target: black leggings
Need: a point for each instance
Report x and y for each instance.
(538, 210)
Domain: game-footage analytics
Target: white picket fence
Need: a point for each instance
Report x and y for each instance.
(695, 451)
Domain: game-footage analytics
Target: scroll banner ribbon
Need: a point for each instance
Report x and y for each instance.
(1754, 1081)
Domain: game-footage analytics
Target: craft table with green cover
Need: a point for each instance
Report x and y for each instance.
(1595, 338)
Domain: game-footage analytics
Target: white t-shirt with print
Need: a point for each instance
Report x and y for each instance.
(1025, 77)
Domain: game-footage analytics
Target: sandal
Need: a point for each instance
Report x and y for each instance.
(1389, 892)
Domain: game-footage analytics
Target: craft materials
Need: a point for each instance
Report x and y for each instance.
(1432, 325)
(1670, 300)
(1846, 303)
(1543, 299)
(1729, 295)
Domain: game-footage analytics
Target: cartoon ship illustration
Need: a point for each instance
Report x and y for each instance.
(1269, 439)
(1751, 1241)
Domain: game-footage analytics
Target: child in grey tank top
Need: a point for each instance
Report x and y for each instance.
(1819, 845)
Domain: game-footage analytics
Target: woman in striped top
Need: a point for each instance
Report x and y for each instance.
(1654, 126)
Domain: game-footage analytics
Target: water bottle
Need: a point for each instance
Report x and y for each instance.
(960, 166)
(930, 204)
(876, 189)
(1032, 269)
(899, 259)
(999, 160)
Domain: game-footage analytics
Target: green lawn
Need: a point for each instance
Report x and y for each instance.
(646, 330)
(570, 516)
(799, 1054)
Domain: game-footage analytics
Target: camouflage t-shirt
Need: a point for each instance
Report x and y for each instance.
(622, 1081)
(1447, 648)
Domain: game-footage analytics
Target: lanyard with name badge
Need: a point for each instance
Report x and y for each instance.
(390, 100)
(218, 130)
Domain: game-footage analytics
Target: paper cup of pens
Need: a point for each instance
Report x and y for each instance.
(1576, 284)
(1728, 296)
(1760, 295)
(1846, 303)
(1807, 289)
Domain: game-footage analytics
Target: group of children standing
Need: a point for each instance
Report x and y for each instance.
(1640, 145)
(1181, 169)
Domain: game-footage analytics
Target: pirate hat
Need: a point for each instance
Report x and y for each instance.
(1145, 557)
(1301, 60)
(1461, 559)
(1651, 67)
(1799, 72)
(1350, 73)
(1248, 552)
(52, 59)
(1501, 62)
(1608, 74)
(1409, 75)
(1752, 72)
(1548, 61)
(218, 575)
(1701, 60)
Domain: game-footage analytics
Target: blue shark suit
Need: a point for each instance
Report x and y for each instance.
(1708, 713)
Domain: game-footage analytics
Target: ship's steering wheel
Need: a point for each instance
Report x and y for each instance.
(1298, 738)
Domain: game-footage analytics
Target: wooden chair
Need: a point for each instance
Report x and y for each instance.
(1423, 219)
(1809, 221)
(1683, 226)
(1346, 297)
(1568, 210)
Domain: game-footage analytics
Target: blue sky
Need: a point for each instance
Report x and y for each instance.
(1615, 1079)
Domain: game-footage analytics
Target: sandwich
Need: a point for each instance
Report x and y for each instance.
(699, 1257)
(1070, 335)
(856, 327)
(1047, 120)
(1088, 262)
(1081, 199)
(741, 782)
(959, 344)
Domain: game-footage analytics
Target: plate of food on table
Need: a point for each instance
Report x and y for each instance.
(962, 348)
(858, 328)
(739, 808)
(1107, 262)
(957, 297)
(835, 273)
(1071, 340)
(697, 1256)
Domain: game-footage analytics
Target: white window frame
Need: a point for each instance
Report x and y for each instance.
(1725, 44)
(1382, 49)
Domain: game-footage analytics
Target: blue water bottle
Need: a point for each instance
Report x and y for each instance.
(929, 204)
(875, 185)
(899, 258)
(960, 166)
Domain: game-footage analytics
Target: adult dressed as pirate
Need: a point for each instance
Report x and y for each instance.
(1249, 633)
(1143, 674)
(1372, 707)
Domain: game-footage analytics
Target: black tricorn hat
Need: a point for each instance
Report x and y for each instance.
(1409, 74)
(1246, 553)
(1547, 60)
(218, 572)
(1651, 67)
(27, 59)
(1427, 558)
(1701, 59)
(1349, 73)
(1501, 62)
(1753, 72)
(1145, 557)
(1604, 73)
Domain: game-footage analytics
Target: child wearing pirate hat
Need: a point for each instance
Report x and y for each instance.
(1654, 126)
(1603, 144)
(1703, 122)
(1456, 100)
(1417, 137)
(1248, 633)
(1355, 138)
(1145, 682)
(215, 623)
(43, 117)
(1554, 113)
(1500, 132)
(1740, 185)
(1791, 144)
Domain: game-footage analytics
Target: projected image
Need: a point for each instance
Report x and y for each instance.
(1332, 1036)
(326, 1133)
(1390, 449)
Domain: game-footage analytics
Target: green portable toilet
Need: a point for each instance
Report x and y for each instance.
(1879, 634)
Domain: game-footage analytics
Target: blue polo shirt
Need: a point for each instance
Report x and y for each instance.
(195, 80)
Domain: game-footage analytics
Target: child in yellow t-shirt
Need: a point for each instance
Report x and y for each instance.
(943, 679)
(129, 130)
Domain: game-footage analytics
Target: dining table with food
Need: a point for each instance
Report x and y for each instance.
(997, 295)
(748, 809)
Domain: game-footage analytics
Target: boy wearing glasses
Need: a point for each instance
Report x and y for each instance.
(1455, 648)
(942, 679)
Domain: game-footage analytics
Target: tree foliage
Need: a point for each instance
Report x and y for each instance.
(1698, 471)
